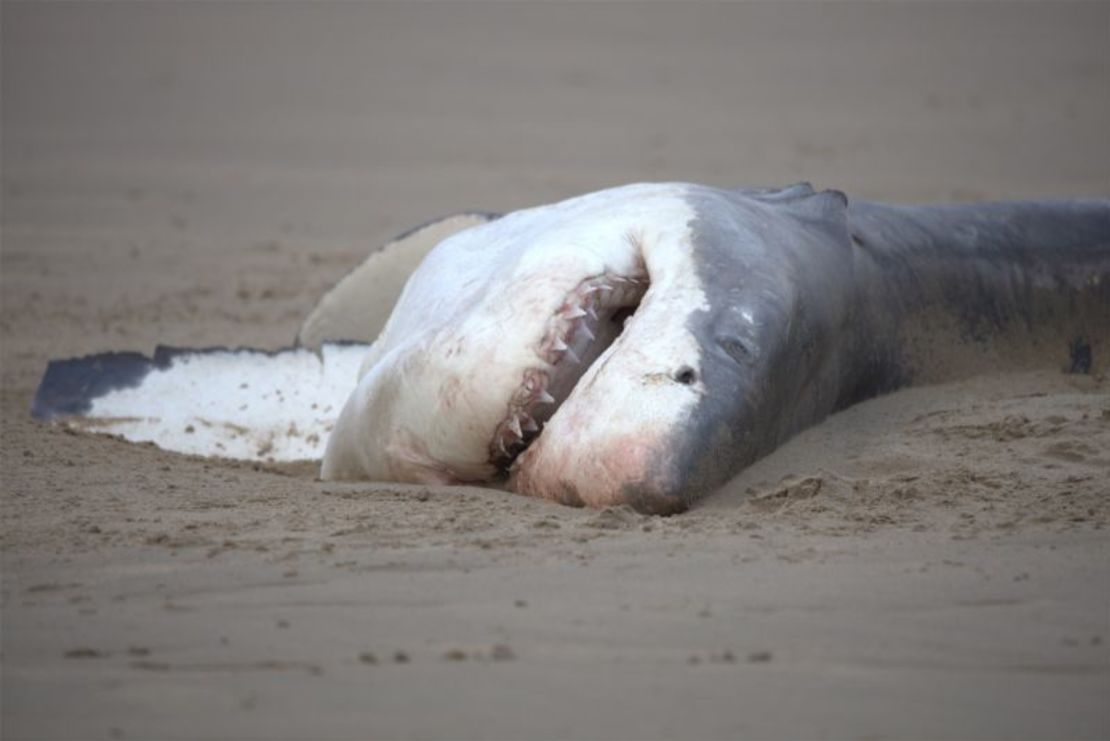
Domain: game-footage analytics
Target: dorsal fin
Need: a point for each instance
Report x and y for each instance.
(356, 309)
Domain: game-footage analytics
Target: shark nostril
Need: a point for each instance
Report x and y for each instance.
(685, 375)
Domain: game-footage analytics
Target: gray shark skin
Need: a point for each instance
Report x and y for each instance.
(854, 300)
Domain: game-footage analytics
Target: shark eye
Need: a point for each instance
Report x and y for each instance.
(734, 348)
(685, 375)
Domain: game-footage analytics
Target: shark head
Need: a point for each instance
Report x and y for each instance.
(633, 346)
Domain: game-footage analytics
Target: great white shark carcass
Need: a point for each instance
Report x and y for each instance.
(640, 345)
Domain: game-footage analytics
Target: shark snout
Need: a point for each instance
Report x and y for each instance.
(636, 470)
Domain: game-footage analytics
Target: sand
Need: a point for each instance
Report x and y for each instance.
(932, 564)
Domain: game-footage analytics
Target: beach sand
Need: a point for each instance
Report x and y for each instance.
(931, 564)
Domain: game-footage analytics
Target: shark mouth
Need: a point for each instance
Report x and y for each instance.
(586, 324)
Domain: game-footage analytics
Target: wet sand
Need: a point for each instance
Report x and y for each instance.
(929, 564)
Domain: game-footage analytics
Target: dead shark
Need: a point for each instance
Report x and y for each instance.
(641, 345)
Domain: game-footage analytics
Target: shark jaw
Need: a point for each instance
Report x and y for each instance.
(557, 358)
